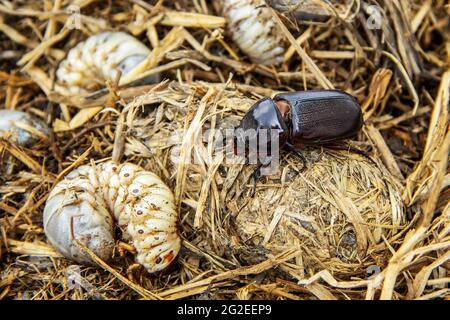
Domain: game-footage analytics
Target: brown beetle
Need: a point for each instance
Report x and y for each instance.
(302, 118)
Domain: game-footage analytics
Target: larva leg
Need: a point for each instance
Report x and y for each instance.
(23, 129)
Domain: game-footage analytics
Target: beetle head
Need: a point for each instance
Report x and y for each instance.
(260, 125)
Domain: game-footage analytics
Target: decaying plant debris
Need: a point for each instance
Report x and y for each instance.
(400, 73)
(337, 213)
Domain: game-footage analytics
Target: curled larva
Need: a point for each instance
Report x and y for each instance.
(99, 58)
(90, 200)
(252, 29)
(23, 128)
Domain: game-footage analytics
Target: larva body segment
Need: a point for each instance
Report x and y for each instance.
(252, 29)
(99, 58)
(24, 128)
(97, 197)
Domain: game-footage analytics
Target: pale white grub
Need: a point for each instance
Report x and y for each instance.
(91, 200)
(90, 63)
(22, 128)
(251, 27)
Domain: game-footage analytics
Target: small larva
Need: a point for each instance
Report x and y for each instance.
(95, 198)
(252, 29)
(97, 59)
(15, 122)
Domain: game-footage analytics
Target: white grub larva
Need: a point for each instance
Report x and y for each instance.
(90, 63)
(91, 199)
(22, 128)
(253, 30)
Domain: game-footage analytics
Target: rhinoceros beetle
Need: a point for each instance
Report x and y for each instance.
(303, 118)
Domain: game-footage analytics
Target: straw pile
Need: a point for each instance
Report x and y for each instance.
(305, 235)
(337, 213)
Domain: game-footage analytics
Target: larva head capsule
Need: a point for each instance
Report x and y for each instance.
(90, 63)
(24, 128)
(91, 200)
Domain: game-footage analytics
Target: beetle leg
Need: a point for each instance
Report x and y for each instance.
(123, 248)
(256, 175)
(298, 153)
(351, 149)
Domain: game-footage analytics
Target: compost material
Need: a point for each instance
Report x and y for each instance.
(346, 227)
